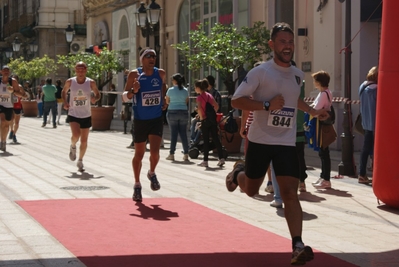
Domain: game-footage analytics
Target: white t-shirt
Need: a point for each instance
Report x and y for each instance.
(277, 127)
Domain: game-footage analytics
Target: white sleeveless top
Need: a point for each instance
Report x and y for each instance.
(5, 96)
(79, 99)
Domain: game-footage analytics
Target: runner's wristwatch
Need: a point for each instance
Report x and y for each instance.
(266, 105)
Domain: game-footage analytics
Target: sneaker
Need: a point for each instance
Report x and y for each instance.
(3, 146)
(230, 184)
(170, 157)
(131, 145)
(323, 185)
(14, 139)
(221, 162)
(80, 166)
(318, 181)
(302, 187)
(269, 187)
(137, 194)
(276, 204)
(54, 125)
(185, 157)
(203, 164)
(154, 181)
(10, 136)
(301, 255)
(72, 153)
(363, 180)
(44, 124)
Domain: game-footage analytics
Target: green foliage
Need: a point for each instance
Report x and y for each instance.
(99, 67)
(225, 48)
(36, 68)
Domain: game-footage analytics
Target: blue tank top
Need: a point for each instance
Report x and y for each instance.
(148, 102)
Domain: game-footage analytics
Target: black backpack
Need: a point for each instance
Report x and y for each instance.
(210, 114)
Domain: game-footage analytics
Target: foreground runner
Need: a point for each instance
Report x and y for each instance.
(275, 88)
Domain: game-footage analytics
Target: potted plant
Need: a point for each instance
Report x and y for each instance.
(227, 50)
(31, 70)
(101, 67)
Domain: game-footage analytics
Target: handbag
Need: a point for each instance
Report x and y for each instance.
(358, 125)
(328, 135)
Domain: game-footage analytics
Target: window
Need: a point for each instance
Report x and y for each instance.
(208, 12)
(285, 12)
(123, 29)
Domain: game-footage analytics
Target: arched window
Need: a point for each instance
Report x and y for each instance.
(123, 29)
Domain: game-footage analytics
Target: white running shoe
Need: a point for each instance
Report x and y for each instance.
(72, 153)
(276, 204)
(80, 166)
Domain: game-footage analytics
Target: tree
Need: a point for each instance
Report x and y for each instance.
(31, 70)
(226, 49)
(101, 67)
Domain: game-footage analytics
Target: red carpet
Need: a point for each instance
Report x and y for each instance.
(161, 232)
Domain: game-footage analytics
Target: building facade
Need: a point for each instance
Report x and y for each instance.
(323, 31)
(41, 22)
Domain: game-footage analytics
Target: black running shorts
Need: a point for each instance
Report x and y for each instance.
(84, 123)
(8, 112)
(144, 128)
(258, 157)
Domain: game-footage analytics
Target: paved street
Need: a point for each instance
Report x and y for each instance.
(346, 221)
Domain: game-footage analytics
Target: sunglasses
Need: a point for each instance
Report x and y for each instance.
(280, 28)
(150, 56)
(81, 67)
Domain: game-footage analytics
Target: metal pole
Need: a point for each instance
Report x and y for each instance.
(347, 165)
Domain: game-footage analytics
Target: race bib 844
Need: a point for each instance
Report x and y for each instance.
(282, 118)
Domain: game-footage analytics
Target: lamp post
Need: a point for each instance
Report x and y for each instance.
(148, 21)
(33, 48)
(8, 54)
(347, 165)
(69, 32)
(16, 45)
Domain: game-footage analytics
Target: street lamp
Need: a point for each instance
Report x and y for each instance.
(16, 45)
(347, 165)
(148, 20)
(9, 54)
(69, 32)
(33, 48)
